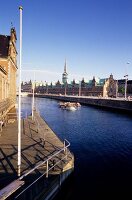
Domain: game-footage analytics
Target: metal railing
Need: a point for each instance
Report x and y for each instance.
(48, 168)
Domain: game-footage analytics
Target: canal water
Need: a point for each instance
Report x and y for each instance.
(101, 141)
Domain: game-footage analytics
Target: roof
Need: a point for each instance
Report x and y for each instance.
(99, 81)
(129, 82)
(122, 81)
(102, 81)
(4, 45)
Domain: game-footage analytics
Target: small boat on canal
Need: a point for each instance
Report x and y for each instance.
(69, 105)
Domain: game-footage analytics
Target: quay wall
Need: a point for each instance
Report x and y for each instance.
(118, 104)
(45, 188)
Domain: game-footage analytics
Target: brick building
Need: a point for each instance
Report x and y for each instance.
(121, 86)
(8, 68)
(96, 87)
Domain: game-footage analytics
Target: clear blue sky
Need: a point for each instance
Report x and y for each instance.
(95, 36)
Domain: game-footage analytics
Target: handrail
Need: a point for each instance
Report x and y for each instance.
(43, 162)
(47, 168)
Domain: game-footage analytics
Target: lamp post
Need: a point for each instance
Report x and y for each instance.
(126, 77)
(33, 87)
(116, 88)
(47, 88)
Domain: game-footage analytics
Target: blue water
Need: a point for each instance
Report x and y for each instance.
(102, 145)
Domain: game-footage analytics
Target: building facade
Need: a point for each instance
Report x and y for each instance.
(121, 87)
(106, 87)
(8, 66)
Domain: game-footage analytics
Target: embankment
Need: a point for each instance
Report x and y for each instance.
(110, 103)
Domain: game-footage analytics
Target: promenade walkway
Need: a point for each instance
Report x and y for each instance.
(38, 143)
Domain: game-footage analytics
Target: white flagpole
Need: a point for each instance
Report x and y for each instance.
(33, 106)
(19, 103)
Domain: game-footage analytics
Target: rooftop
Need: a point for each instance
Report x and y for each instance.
(4, 45)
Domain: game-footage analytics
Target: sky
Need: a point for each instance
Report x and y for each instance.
(94, 36)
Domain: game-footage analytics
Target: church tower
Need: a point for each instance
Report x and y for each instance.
(64, 75)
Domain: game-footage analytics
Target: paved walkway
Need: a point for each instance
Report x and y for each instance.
(34, 150)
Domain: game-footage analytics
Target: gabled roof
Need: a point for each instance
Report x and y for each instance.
(4, 45)
(89, 82)
(102, 81)
(99, 81)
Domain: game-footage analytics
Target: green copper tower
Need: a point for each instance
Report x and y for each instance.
(64, 75)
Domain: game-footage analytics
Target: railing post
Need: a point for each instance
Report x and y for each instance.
(66, 153)
(64, 146)
(65, 149)
(47, 168)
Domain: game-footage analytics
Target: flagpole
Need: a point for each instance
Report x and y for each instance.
(19, 103)
(33, 87)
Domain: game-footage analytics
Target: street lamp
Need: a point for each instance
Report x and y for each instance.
(33, 88)
(126, 78)
(116, 88)
(47, 89)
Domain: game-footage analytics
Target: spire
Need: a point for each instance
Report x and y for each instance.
(65, 67)
(11, 25)
(64, 75)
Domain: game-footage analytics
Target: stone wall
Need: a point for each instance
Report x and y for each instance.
(121, 105)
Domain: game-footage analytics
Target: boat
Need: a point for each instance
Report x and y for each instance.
(78, 104)
(72, 108)
(69, 105)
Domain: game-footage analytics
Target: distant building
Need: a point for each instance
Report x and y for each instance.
(121, 87)
(26, 86)
(106, 87)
